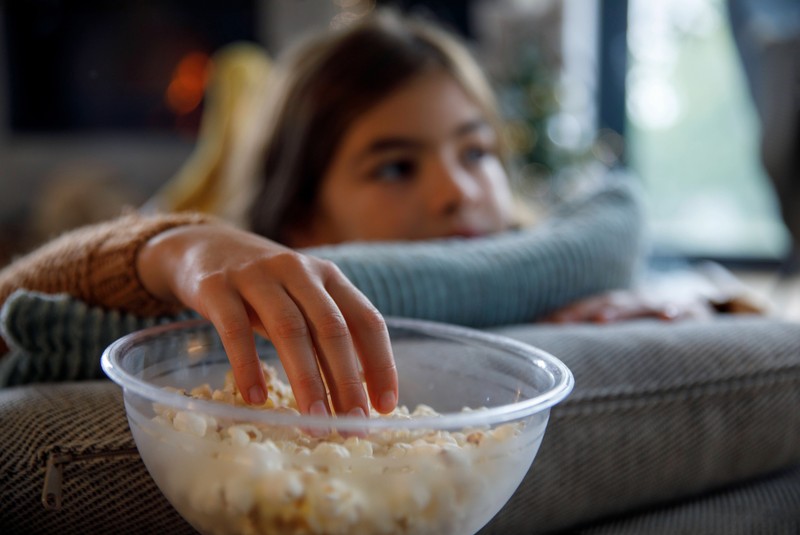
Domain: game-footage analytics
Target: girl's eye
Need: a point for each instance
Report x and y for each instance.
(474, 154)
(395, 170)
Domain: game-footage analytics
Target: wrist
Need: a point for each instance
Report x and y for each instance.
(158, 259)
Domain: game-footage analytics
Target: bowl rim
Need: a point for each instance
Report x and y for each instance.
(562, 376)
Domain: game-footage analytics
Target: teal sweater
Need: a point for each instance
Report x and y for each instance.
(586, 246)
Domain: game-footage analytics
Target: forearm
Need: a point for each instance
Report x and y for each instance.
(589, 247)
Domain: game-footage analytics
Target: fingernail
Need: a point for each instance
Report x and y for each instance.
(357, 412)
(607, 316)
(318, 408)
(256, 395)
(670, 312)
(387, 402)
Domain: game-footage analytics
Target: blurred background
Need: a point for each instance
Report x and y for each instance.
(101, 102)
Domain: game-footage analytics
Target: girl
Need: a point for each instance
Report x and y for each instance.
(385, 131)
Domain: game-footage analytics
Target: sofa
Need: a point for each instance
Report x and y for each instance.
(673, 427)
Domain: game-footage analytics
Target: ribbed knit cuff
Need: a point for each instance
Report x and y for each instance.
(97, 264)
(113, 280)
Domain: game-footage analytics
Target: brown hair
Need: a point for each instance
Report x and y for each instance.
(325, 83)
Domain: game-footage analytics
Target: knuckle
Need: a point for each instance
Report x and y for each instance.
(331, 326)
(212, 281)
(328, 268)
(347, 392)
(350, 385)
(242, 365)
(308, 382)
(248, 268)
(373, 320)
(290, 326)
(289, 260)
(384, 369)
(234, 328)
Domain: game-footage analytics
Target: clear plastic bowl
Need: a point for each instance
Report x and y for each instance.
(235, 469)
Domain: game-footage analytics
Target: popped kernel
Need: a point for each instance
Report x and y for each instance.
(423, 447)
(238, 495)
(201, 392)
(243, 434)
(190, 422)
(398, 450)
(505, 432)
(206, 498)
(358, 447)
(423, 410)
(329, 451)
(475, 438)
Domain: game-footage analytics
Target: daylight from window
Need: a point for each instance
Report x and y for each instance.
(693, 134)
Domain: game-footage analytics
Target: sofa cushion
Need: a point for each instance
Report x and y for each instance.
(81, 430)
(660, 412)
(769, 504)
(58, 338)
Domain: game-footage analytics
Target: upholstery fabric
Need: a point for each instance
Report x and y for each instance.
(58, 338)
(106, 488)
(765, 505)
(660, 413)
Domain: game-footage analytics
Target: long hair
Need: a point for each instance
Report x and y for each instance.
(324, 83)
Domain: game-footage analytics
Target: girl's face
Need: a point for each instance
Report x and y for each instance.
(420, 164)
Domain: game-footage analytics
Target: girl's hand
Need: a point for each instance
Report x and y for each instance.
(319, 322)
(625, 305)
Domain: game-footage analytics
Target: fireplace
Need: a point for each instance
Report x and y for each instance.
(84, 65)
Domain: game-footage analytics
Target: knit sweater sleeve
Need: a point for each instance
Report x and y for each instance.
(590, 245)
(96, 264)
(587, 246)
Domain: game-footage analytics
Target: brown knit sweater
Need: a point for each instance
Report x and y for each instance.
(96, 264)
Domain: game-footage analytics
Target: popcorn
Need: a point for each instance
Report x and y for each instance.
(201, 392)
(475, 437)
(256, 478)
(329, 451)
(334, 507)
(238, 495)
(242, 434)
(358, 447)
(190, 422)
(207, 498)
(505, 432)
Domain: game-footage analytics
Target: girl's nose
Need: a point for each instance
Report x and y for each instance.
(452, 188)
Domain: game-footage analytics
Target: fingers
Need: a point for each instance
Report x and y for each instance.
(287, 327)
(371, 338)
(586, 310)
(227, 313)
(322, 327)
(241, 283)
(615, 306)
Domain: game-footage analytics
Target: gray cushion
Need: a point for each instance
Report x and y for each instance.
(105, 485)
(769, 504)
(58, 338)
(659, 412)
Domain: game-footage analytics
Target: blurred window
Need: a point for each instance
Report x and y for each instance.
(692, 134)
